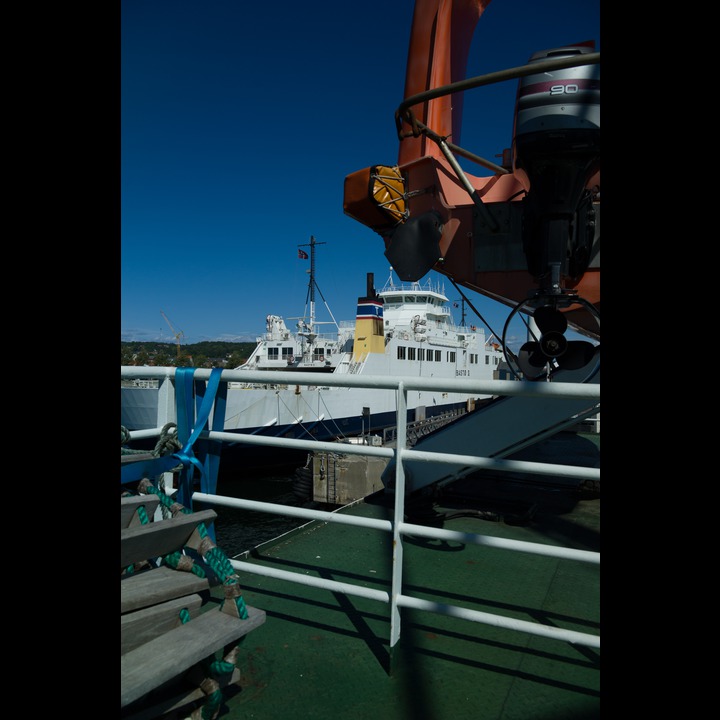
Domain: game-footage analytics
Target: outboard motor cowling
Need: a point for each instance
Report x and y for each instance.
(556, 142)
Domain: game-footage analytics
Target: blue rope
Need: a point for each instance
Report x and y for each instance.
(185, 409)
(186, 433)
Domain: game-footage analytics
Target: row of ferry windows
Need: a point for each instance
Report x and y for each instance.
(287, 353)
(430, 355)
(397, 299)
(403, 353)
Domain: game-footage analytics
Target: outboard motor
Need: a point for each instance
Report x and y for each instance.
(556, 143)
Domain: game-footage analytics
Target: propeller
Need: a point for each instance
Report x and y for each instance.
(553, 350)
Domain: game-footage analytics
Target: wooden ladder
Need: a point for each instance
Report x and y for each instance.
(158, 650)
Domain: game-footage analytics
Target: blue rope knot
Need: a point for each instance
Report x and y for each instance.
(187, 457)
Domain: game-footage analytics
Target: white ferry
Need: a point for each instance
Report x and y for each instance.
(404, 329)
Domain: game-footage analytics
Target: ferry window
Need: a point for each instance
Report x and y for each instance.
(429, 355)
(401, 352)
(487, 359)
(421, 353)
(409, 298)
(286, 352)
(273, 354)
(411, 353)
(451, 357)
(438, 355)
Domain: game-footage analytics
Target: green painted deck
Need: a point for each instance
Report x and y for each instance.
(323, 655)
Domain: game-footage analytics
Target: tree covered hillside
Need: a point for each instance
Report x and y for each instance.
(206, 354)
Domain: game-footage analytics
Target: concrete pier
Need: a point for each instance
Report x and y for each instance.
(339, 479)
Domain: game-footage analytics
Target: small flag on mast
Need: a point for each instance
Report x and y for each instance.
(302, 254)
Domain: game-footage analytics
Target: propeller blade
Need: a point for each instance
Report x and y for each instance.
(548, 319)
(531, 360)
(579, 353)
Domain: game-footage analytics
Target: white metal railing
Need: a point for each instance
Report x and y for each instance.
(402, 452)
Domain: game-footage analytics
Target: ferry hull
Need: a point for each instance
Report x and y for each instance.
(324, 414)
(139, 408)
(261, 412)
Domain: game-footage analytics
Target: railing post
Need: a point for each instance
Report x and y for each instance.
(166, 401)
(166, 413)
(399, 516)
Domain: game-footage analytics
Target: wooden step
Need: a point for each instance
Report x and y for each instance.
(129, 508)
(172, 702)
(157, 585)
(141, 626)
(160, 538)
(166, 657)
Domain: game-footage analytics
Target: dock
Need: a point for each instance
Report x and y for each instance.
(336, 478)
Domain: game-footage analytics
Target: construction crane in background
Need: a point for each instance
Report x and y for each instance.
(177, 335)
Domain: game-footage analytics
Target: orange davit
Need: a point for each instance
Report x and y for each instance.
(527, 232)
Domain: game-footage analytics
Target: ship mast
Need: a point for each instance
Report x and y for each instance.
(311, 286)
(313, 243)
(308, 330)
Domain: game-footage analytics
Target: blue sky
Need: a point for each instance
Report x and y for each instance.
(239, 123)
